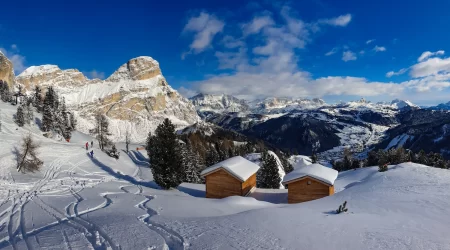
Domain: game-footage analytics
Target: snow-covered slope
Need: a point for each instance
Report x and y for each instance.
(135, 97)
(76, 202)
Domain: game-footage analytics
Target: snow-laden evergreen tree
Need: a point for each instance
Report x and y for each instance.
(165, 157)
(127, 140)
(27, 160)
(30, 113)
(5, 94)
(268, 176)
(62, 119)
(191, 164)
(48, 113)
(20, 116)
(37, 98)
(101, 131)
(73, 122)
(212, 157)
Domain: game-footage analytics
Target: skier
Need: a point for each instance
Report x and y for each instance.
(92, 153)
(92, 144)
(87, 146)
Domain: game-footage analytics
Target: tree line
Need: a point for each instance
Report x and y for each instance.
(393, 156)
(181, 158)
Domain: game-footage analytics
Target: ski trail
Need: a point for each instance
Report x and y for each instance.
(97, 237)
(23, 228)
(172, 239)
(66, 240)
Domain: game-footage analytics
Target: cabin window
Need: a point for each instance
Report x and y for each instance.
(309, 182)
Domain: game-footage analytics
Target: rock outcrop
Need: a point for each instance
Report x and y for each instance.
(46, 75)
(6, 70)
(136, 97)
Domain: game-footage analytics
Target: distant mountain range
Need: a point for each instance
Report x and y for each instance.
(304, 126)
(137, 97)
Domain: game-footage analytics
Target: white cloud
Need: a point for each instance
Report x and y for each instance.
(269, 67)
(204, 26)
(16, 59)
(95, 74)
(231, 42)
(393, 73)
(348, 56)
(379, 48)
(427, 54)
(332, 52)
(257, 24)
(187, 92)
(362, 52)
(341, 21)
(432, 66)
(370, 41)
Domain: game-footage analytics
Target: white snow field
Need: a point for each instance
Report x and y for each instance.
(76, 202)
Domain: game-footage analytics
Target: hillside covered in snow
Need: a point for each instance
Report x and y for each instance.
(136, 97)
(78, 202)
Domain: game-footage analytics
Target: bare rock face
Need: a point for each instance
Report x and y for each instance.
(6, 70)
(140, 68)
(135, 97)
(50, 75)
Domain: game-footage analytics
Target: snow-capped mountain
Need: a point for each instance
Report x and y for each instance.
(403, 104)
(6, 70)
(283, 105)
(441, 106)
(219, 103)
(136, 97)
(51, 75)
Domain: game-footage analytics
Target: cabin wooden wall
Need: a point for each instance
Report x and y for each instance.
(221, 184)
(248, 184)
(300, 191)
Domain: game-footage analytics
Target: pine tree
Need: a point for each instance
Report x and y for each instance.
(212, 157)
(101, 131)
(37, 98)
(48, 113)
(313, 158)
(73, 122)
(127, 139)
(165, 158)
(27, 160)
(30, 113)
(20, 116)
(268, 173)
(191, 164)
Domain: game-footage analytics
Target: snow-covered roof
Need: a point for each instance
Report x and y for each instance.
(238, 166)
(315, 171)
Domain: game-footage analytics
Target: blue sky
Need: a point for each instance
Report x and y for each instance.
(337, 50)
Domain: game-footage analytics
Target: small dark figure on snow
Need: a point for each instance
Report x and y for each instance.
(92, 153)
(92, 144)
(87, 145)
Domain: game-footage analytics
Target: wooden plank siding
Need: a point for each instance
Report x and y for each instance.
(248, 184)
(300, 191)
(221, 184)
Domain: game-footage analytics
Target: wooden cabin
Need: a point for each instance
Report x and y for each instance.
(310, 183)
(234, 176)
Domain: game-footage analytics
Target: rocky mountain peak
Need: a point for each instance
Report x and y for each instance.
(139, 68)
(219, 103)
(6, 70)
(46, 75)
